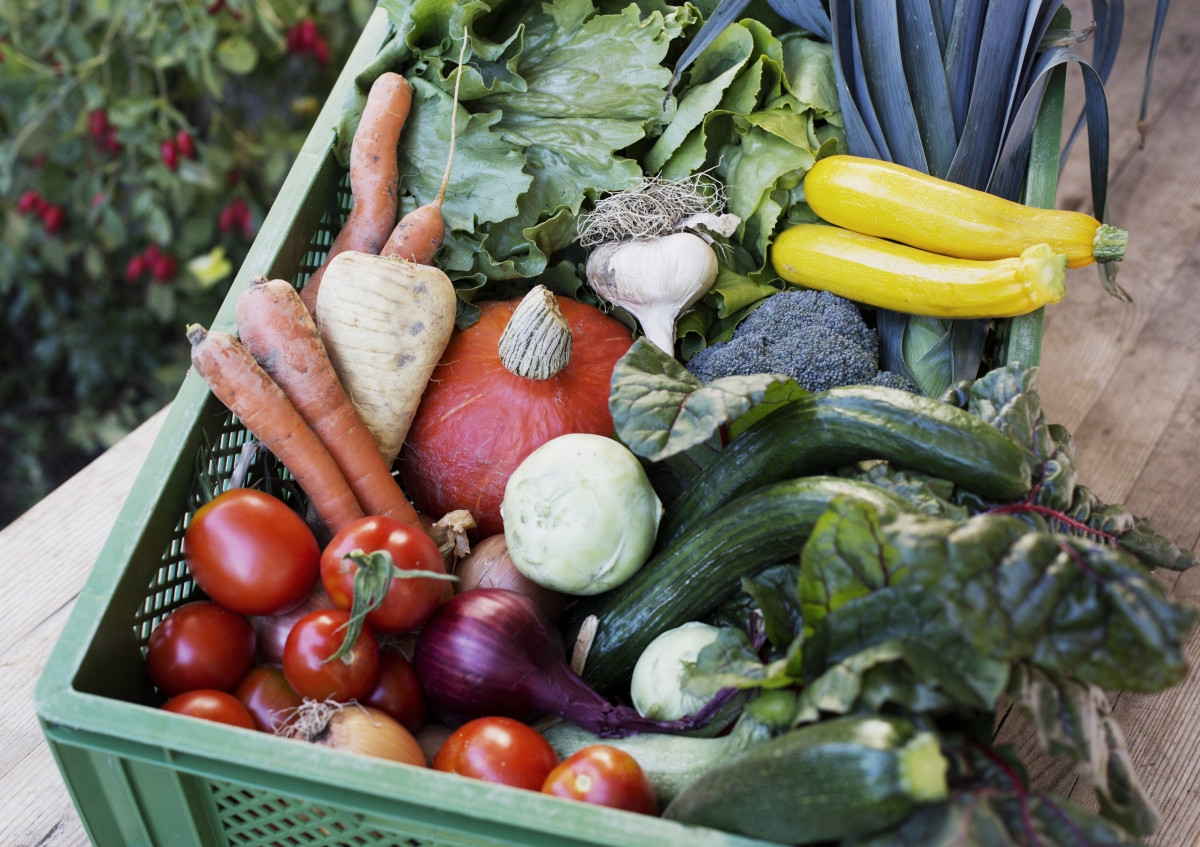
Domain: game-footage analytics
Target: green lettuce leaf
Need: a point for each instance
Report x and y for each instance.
(553, 97)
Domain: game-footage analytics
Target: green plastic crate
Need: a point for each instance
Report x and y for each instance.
(141, 776)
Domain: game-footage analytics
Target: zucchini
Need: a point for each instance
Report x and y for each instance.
(671, 762)
(824, 430)
(888, 275)
(901, 204)
(826, 781)
(690, 578)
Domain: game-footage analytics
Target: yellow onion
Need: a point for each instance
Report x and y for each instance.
(488, 565)
(356, 728)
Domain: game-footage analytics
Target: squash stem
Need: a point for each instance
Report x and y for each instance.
(536, 342)
(1108, 244)
(923, 768)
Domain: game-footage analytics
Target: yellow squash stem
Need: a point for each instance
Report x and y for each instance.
(893, 276)
(900, 204)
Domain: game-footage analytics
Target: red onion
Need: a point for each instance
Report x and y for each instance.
(491, 651)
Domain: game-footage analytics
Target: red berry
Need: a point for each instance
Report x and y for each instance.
(293, 39)
(110, 144)
(97, 123)
(225, 219)
(135, 267)
(98, 198)
(53, 219)
(308, 34)
(320, 51)
(163, 268)
(30, 202)
(152, 254)
(183, 140)
(170, 154)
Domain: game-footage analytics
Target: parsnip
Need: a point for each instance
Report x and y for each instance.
(385, 324)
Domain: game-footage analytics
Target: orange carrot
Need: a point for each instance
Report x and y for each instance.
(246, 390)
(281, 335)
(420, 233)
(374, 175)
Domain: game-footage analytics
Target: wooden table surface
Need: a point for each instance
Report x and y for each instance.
(1124, 378)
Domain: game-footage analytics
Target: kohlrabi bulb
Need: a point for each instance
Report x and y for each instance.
(658, 687)
(580, 515)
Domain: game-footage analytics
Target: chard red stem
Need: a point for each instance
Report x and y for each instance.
(1056, 514)
(1018, 788)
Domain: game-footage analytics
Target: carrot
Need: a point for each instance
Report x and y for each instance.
(282, 337)
(420, 233)
(246, 390)
(374, 175)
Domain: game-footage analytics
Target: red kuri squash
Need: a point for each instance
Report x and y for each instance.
(506, 385)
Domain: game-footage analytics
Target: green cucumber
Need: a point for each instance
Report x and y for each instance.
(827, 429)
(688, 579)
(826, 781)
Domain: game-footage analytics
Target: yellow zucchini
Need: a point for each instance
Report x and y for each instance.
(900, 204)
(894, 276)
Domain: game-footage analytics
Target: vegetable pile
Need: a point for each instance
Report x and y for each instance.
(600, 489)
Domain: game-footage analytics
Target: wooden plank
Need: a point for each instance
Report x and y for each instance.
(46, 554)
(1124, 380)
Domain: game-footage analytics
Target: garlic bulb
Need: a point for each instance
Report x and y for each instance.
(654, 279)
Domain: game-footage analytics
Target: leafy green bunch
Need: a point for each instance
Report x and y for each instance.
(141, 145)
(942, 610)
(564, 102)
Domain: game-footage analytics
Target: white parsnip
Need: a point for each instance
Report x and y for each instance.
(385, 324)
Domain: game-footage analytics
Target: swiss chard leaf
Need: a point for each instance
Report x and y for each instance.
(921, 674)
(660, 410)
(1066, 604)
(775, 594)
(1074, 719)
(1009, 399)
(991, 817)
(930, 495)
(846, 556)
(903, 623)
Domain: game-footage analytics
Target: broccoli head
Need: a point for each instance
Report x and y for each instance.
(817, 338)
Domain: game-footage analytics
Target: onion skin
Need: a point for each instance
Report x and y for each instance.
(488, 565)
(272, 630)
(362, 729)
(491, 651)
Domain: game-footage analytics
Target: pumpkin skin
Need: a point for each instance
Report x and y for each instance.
(477, 420)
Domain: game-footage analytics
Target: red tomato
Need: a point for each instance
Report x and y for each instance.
(200, 645)
(250, 552)
(268, 697)
(316, 637)
(497, 749)
(409, 601)
(604, 775)
(211, 705)
(397, 692)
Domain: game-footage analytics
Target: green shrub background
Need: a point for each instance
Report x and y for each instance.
(90, 348)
